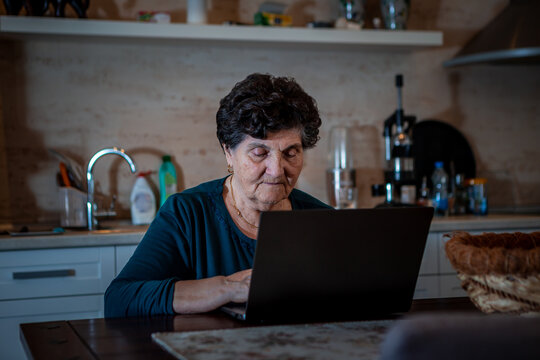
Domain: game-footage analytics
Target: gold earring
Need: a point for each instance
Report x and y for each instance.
(230, 169)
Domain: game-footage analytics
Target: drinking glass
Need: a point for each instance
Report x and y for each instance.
(341, 174)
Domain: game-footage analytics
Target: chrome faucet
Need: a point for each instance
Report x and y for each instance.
(91, 218)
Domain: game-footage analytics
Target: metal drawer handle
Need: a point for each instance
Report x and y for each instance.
(43, 274)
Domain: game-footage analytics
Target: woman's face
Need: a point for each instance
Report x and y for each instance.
(267, 169)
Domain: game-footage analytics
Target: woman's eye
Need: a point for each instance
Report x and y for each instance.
(259, 152)
(291, 153)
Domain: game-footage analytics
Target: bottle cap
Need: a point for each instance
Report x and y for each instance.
(476, 181)
(166, 157)
(438, 164)
(144, 173)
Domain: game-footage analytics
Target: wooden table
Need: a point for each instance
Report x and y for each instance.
(129, 338)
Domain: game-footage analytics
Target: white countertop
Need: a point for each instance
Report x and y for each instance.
(75, 238)
(486, 223)
(132, 235)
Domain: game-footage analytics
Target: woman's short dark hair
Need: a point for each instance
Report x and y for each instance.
(261, 104)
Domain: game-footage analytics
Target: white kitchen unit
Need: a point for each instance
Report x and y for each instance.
(123, 253)
(57, 278)
(15, 312)
(50, 284)
(427, 285)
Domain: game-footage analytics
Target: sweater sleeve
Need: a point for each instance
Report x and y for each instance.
(146, 284)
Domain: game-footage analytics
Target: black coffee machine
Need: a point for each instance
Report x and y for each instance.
(399, 188)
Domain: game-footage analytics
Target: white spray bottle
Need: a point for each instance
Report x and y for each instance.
(143, 201)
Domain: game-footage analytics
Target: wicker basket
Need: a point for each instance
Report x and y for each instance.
(500, 272)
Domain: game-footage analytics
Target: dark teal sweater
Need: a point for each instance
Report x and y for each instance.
(192, 237)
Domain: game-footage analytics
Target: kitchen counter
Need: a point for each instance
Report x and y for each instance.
(132, 235)
(126, 235)
(485, 223)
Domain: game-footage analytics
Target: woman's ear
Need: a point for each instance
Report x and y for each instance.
(227, 152)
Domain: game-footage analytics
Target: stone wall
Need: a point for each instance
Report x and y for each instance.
(160, 97)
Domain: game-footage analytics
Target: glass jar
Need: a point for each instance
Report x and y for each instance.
(477, 196)
(395, 14)
(352, 10)
(460, 195)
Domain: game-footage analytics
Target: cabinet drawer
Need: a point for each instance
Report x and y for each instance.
(427, 287)
(450, 286)
(55, 272)
(444, 264)
(15, 312)
(430, 260)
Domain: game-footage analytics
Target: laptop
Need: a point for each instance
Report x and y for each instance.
(330, 265)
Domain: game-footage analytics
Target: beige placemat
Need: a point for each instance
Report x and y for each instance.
(344, 340)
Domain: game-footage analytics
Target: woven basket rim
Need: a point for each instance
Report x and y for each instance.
(490, 253)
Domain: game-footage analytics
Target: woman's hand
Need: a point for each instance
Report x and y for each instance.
(239, 285)
(197, 296)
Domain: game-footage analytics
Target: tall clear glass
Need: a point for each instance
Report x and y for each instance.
(341, 174)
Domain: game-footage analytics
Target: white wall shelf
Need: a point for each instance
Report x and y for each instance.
(47, 26)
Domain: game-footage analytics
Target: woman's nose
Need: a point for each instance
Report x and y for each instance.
(274, 166)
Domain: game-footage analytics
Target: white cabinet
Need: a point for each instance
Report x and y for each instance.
(55, 272)
(15, 312)
(54, 284)
(427, 287)
(123, 253)
(450, 286)
(430, 261)
(50, 284)
(444, 264)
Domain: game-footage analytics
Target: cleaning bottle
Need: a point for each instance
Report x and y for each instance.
(167, 179)
(143, 201)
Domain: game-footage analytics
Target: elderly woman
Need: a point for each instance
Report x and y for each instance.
(198, 252)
